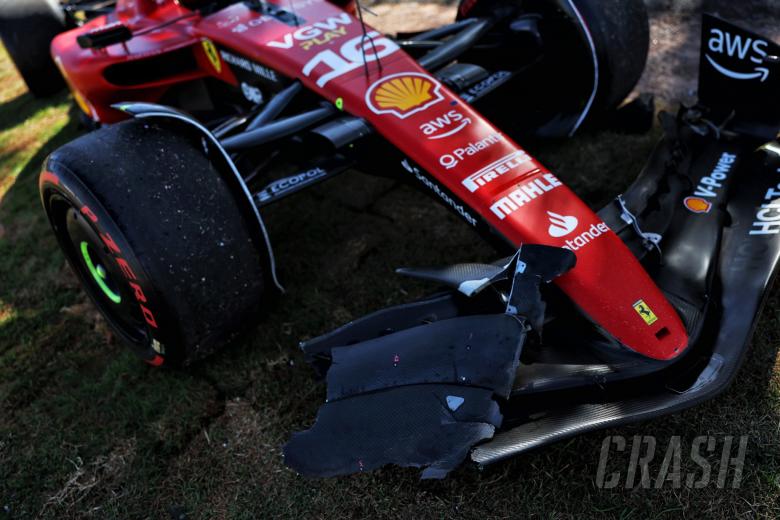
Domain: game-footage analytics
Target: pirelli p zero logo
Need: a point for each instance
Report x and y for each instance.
(645, 312)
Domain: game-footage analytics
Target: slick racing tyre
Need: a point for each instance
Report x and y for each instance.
(591, 55)
(156, 238)
(27, 28)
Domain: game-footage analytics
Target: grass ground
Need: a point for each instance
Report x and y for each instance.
(86, 431)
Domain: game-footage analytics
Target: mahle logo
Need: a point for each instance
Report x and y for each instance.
(724, 44)
(561, 225)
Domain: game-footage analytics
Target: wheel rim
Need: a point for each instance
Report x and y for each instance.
(100, 274)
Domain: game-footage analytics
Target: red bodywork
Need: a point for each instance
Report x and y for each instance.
(493, 177)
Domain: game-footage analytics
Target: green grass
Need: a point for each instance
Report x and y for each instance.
(86, 431)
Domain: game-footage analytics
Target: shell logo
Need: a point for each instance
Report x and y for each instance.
(403, 94)
(697, 205)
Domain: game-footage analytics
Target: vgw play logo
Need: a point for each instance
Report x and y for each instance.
(748, 52)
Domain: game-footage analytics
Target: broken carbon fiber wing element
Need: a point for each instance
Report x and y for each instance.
(424, 395)
(421, 397)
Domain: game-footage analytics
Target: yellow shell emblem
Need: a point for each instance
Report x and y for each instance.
(403, 94)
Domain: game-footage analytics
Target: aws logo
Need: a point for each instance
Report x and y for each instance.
(446, 125)
(725, 45)
(403, 95)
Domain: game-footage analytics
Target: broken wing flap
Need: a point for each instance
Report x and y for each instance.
(424, 394)
(469, 281)
(739, 74)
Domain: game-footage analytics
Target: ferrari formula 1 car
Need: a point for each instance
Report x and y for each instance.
(594, 319)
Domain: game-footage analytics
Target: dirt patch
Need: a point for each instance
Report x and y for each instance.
(104, 472)
(410, 16)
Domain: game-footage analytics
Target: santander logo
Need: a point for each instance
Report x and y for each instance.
(561, 225)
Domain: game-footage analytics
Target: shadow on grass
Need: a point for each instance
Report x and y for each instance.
(23, 107)
(29, 260)
(68, 393)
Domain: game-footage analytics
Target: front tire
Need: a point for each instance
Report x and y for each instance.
(593, 54)
(156, 238)
(27, 28)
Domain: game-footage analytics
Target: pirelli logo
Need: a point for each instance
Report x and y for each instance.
(495, 170)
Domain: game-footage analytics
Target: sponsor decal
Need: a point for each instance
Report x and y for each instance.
(127, 271)
(586, 237)
(404, 94)
(316, 34)
(441, 193)
(212, 55)
(252, 94)
(240, 28)
(282, 186)
(740, 47)
(250, 66)
(446, 125)
(495, 170)
(697, 205)
(451, 160)
(354, 54)
(158, 347)
(561, 225)
(645, 312)
(525, 193)
(227, 22)
(767, 220)
(251, 24)
(486, 85)
(710, 185)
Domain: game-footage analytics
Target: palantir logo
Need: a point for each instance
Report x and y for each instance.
(738, 47)
(561, 225)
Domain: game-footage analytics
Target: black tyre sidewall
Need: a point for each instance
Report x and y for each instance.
(57, 181)
(178, 225)
(27, 28)
(622, 42)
